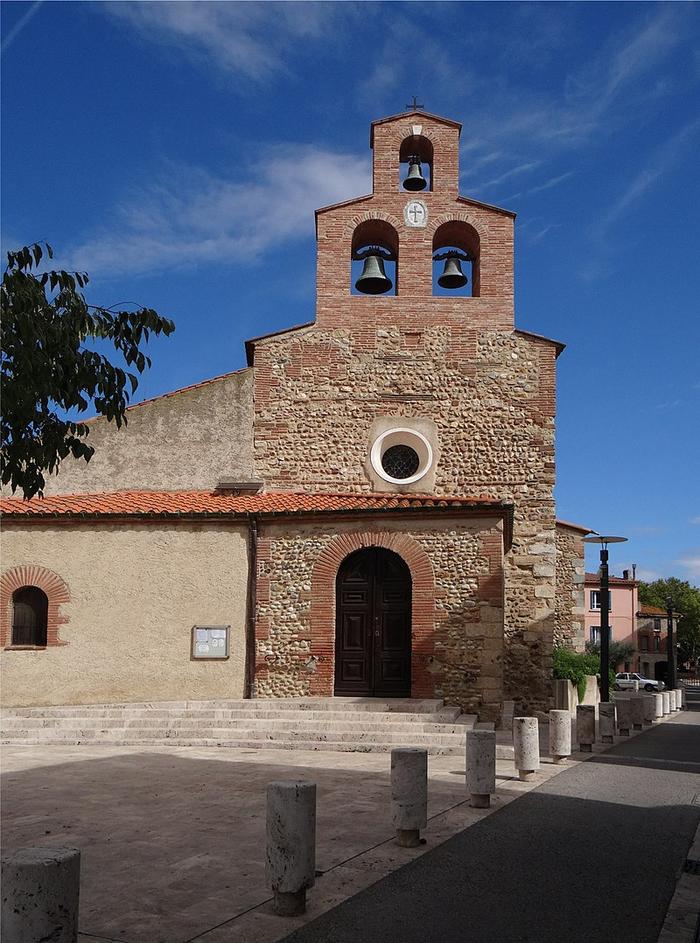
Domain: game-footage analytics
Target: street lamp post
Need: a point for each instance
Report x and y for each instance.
(670, 646)
(604, 609)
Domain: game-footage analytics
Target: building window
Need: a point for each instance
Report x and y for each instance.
(657, 625)
(400, 461)
(644, 643)
(401, 456)
(30, 609)
(595, 599)
(595, 634)
(657, 644)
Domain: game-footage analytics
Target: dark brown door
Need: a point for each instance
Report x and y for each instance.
(373, 625)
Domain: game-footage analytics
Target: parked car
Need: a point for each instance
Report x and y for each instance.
(624, 681)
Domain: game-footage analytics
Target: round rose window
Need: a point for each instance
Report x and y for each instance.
(401, 456)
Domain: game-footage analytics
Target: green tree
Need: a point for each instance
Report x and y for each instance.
(686, 601)
(618, 653)
(49, 373)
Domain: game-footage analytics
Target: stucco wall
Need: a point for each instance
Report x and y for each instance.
(186, 440)
(136, 590)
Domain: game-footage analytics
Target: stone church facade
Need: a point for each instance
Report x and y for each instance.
(367, 507)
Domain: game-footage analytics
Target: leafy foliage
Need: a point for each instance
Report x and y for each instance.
(47, 369)
(619, 652)
(686, 600)
(574, 667)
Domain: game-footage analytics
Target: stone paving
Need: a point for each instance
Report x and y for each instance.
(173, 840)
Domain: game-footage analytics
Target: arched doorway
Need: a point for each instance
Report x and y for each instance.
(373, 625)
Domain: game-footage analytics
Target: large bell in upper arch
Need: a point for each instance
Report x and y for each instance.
(374, 280)
(415, 180)
(452, 274)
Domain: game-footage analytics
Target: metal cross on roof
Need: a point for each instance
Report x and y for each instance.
(414, 106)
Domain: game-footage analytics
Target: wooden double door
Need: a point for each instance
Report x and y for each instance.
(373, 625)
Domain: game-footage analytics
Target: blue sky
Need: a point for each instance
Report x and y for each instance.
(176, 152)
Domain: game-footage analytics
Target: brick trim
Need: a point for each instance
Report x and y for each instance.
(370, 216)
(323, 592)
(50, 583)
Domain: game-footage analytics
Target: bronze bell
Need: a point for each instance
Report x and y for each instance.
(452, 274)
(374, 280)
(415, 179)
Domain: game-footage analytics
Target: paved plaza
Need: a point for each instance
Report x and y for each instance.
(173, 840)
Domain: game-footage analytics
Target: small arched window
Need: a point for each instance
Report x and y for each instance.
(30, 609)
(374, 259)
(456, 247)
(416, 152)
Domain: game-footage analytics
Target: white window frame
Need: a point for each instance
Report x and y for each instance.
(595, 600)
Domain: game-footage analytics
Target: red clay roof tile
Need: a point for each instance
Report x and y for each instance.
(219, 503)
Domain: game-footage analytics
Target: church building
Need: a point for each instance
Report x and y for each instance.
(366, 509)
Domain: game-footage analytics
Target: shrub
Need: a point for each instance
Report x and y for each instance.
(574, 667)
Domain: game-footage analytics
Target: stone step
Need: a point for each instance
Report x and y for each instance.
(383, 705)
(146, 723)
(149, 735)
(12, 717)
(503, 751)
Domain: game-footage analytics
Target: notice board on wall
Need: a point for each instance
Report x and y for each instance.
(210, 642)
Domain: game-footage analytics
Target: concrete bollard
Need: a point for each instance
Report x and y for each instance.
(624, 716)
(667, 702)
(636, 685)
(649, 710)
(291, 844)
(481, 767)
(682, 690)
(658, 706)
(559, 735)
(607, 721)
(409, 794)
(676, 699)
(40, 893)
(585, 727)
(637, 712)
(526, 746)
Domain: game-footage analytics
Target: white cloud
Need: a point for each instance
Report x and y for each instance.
(691, 564)
(189, 216)
(248, 38)
(695, 520)
(660, 164)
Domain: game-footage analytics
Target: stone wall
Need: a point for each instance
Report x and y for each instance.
(569, 628)
(183, 440)
(133, 593)
(457, 614)
(491, 397)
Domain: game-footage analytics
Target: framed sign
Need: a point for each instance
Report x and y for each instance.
(210, 642)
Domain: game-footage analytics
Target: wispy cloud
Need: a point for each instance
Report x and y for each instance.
(695, 520)
(547, 185)
(188, 216)
(691, 564)
(660, 164)
(515, 171)
(19, 25)
(251, 39)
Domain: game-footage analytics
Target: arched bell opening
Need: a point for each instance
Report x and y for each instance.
(416, 164)
(374, 259)
(456, 260)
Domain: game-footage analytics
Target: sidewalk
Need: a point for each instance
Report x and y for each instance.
(592, 855)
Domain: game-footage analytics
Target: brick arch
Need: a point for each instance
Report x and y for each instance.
(369, 215)
(322, 614)
(434, 224)
(50, 583)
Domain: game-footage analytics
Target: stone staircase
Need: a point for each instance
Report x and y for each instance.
(366, 725)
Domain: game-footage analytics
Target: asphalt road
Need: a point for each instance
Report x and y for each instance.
(593, 855)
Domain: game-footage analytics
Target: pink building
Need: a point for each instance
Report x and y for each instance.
(624, 606)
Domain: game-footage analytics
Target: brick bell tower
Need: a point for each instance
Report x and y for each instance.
(414, 357)
(412, 227)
